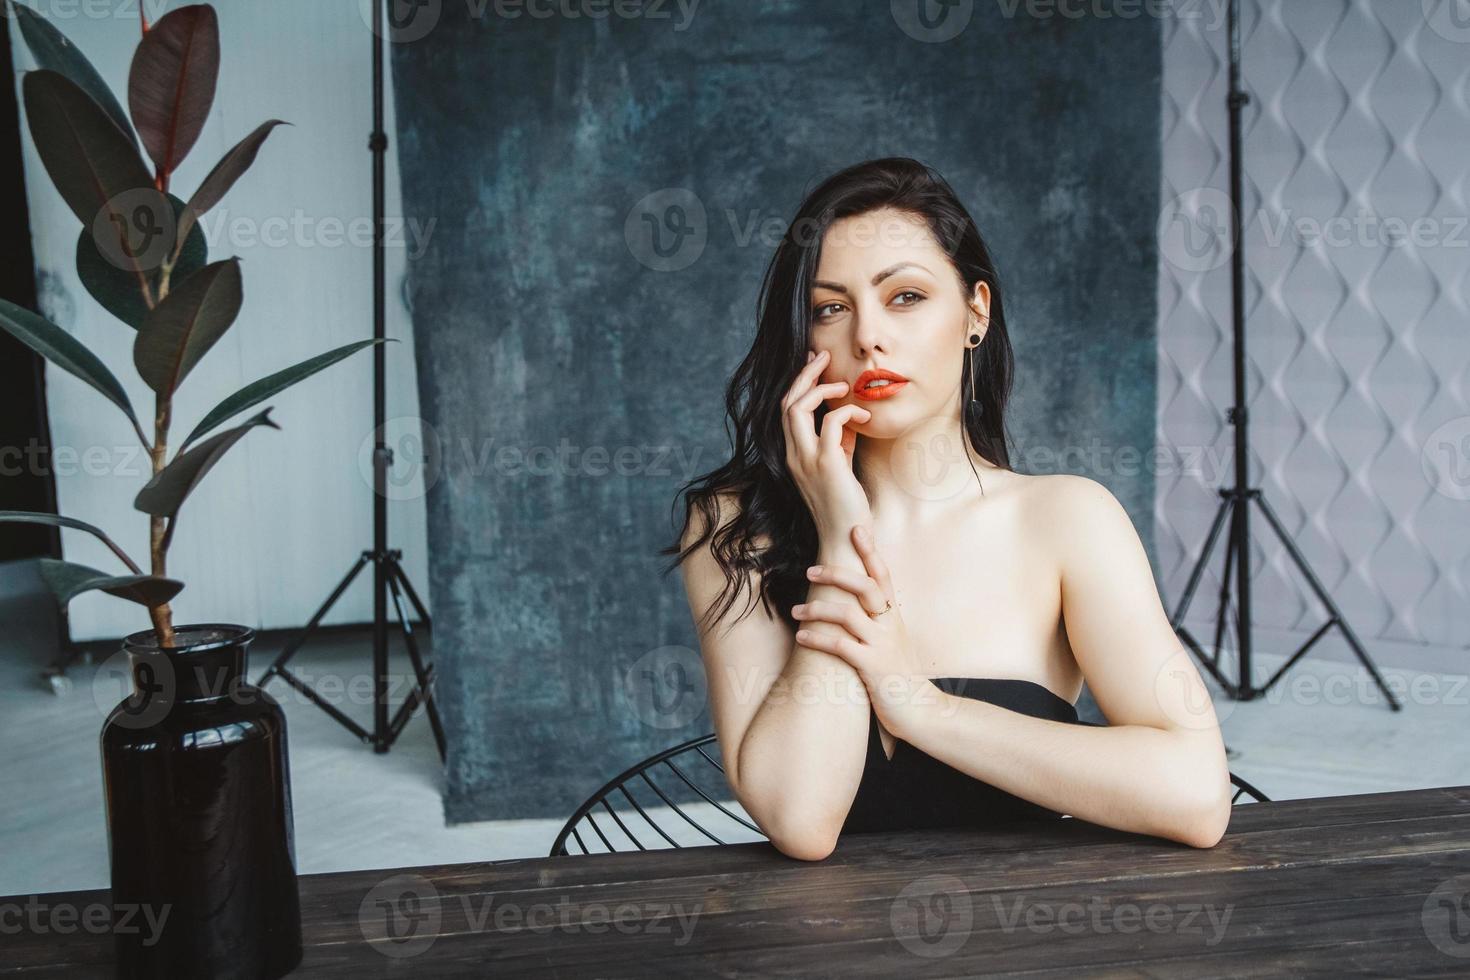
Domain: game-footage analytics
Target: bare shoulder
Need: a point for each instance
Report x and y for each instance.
(1068, 511)
(727, 509)
(706, 580)
(1061, 494)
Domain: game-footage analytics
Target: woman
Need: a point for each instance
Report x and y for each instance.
(925, 623)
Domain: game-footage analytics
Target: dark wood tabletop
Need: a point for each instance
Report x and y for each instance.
(1376, 883)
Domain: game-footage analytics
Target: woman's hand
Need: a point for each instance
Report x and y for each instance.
(821, 465)
(875, 643)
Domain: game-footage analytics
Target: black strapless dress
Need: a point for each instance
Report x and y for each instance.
(915, 791)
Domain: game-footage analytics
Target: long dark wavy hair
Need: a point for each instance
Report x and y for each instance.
(771, 509)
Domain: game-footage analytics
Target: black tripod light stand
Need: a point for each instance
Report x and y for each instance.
(388, 575)
(1235, 501)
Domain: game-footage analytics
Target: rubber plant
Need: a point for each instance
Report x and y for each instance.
(142, 255)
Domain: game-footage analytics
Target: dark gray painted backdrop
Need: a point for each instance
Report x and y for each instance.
(547, 323)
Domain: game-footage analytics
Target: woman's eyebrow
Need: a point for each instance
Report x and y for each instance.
(884, 274)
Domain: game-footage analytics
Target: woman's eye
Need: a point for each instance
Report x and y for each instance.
(819, 313)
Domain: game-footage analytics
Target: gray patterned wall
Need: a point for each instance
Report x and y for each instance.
(543, 317)
(1358, 338)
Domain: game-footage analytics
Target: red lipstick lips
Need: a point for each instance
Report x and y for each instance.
(895, 383)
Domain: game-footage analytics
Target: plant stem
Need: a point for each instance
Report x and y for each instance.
(164, 272)
(162, 614)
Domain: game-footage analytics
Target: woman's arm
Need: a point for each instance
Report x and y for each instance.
(1133, 777)
(792, 721)
(1159, 768)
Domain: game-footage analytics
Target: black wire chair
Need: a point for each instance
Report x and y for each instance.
(703, 774)
(1243, 788)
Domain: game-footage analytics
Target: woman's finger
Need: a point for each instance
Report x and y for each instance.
(836, 421)
(805, 378)
(822, 392)
(799, 416)
(843, 614)
(799, 386)
(800, 404)
(837, 644)
(867, 590)
(862, 539)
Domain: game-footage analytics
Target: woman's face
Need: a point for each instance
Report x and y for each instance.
(886, 298)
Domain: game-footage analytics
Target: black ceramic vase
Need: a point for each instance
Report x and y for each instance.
(199, 824)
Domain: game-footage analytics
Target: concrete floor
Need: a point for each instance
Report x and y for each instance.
(353, 809)
(356, 810)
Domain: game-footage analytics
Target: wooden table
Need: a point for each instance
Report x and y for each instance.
(1376, 883)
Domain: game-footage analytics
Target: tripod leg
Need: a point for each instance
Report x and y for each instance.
(1300, 653)
(1199, 565)
(326, 706)
(1326, 600)
(413, 596)
(424, 675)
(1223, 616)
(290, 649)
(1178, 619)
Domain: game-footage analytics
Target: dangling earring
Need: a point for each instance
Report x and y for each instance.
(977, 406)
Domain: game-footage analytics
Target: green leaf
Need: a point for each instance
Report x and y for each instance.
(172, 80)
(65, 351)
(225, 173)
(258, 391)
(67, 580)
(56, 520)
(191, 319)
(163, 494)
(97, 171)
(54, 50)
(117, 290)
